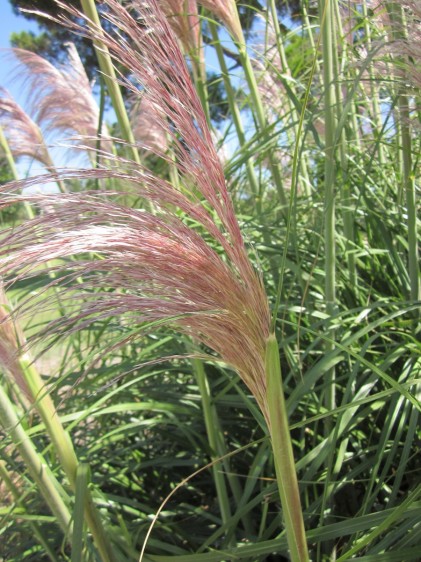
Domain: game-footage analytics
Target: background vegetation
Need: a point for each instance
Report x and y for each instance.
(316, 116)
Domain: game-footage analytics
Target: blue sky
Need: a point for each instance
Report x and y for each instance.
(8, 24)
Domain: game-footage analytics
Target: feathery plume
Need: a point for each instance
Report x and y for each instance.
(61, 99)
(402, 39)
(226, 11)
(162, 269)
(146, 121)
(11, 342)
(269, 86)
(183, 18)
(23, 135)
(269, 69)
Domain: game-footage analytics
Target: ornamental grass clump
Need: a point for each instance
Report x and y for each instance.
(158, 266)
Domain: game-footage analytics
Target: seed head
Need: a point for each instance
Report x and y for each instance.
(23, 135)
(226, 11)
(156, 266)
(61, 100)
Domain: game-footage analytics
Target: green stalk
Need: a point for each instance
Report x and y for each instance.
(329, 188)
(211, 423)
(374, 94)
(398, 32)
(36, 465)
(258, 110)
(292, 110)
(110, 78)
(17, 498)
(65, 451)
(81, 495)
(411, 207)
(217, 445)
(8, 153)
(314, 47)
(12, 165)
(295, 165)
(286, 475)
(346, 198)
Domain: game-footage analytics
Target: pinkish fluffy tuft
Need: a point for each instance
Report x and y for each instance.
(11, 342)
(183, 18)
(61, 99)
(155, 267)
(226, 11)
(22, 134)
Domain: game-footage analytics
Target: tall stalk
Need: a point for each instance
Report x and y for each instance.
(286, 475)
(308, 26)
(8, 154)
(212, 430)
(64, 450)
(327, 29)
(217, 445)
(345, 191)
(408, 184)
(110, 78)
(49, 164)
(295, 118)
(38, 469)
(258, 110)
(373, 86)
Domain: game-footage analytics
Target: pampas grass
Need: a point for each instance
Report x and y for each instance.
(302, 354)
(160, 269)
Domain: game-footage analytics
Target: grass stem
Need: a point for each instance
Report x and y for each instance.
(110, 78)
(38, 469)
(326, 25)
(283, 455)
(65, 451)
(212, 430)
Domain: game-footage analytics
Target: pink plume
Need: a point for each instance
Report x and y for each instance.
(156, 267)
